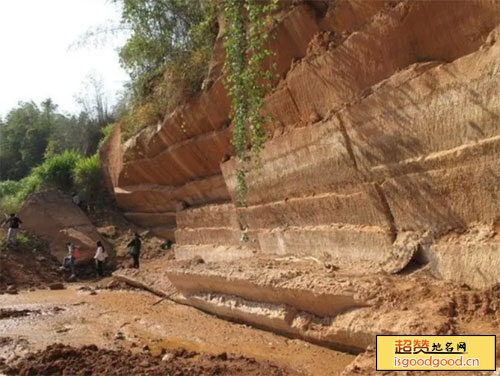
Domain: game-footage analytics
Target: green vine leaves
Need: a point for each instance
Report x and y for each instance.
(245, 45)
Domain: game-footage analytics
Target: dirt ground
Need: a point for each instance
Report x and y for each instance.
(114, 317)
(89, 360)
(30, 265)
(442, 306)
(123, 321)
(118, 232)
(46, 332)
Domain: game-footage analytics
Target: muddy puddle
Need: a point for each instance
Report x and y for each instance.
(135, 321)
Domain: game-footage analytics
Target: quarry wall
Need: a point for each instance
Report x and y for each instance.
(385, 122)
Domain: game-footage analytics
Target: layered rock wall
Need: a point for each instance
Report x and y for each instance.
(385, 121)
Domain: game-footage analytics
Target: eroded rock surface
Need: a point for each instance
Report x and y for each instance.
(343, 307)
(52, 216)
(385, 123)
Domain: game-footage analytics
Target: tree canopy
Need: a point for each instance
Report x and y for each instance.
(30, 133)
(165, 33)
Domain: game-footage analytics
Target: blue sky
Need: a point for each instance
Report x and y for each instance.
(36, 60)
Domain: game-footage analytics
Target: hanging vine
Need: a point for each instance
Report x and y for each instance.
(247, 81)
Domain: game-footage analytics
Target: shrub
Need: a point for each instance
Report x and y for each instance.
(65, 171)
(167, 55)
(28, 185)
(23, 240)
(87, 177)
(105, 133)
(14, 194)
(8, 187)
(10, 204)
(137, 117)
(57, 171)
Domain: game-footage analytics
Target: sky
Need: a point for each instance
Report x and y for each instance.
(36, 57)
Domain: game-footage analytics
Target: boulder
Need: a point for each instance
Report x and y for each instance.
(56, 286)
(52, 216)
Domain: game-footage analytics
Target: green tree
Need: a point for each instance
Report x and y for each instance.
(167, 56)
(24, 138)
(30, 134)
(164, 32)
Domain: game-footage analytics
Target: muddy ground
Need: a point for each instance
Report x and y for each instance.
(441, 307)
(115, 319)
(122, 321)
(412, 301)
(55, 332)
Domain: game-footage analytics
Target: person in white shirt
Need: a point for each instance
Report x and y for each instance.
(100, 257)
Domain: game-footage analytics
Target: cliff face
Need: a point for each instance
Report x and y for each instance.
(385, 143)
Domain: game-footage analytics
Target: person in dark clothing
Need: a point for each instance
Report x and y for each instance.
(13, 221)
(135, 249)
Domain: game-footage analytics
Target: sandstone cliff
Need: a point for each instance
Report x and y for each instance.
(384, 145)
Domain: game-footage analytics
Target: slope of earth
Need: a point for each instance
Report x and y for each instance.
(30, 265)
(123, 321)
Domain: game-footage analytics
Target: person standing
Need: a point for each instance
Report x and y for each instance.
(135, 249)
(100, 257)
(13, 221)
(69, 260)
(75, 199)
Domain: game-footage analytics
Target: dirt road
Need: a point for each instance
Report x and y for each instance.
(131, 320)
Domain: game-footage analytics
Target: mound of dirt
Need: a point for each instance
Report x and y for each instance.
(62, 360)
(29, 265)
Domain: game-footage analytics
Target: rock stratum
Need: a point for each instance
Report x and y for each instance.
(384, 146)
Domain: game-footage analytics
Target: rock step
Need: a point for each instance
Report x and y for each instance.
(320, 304)
(157, 198)
(151, 219)
(336, 321)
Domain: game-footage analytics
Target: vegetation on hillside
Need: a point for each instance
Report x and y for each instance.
(31, 133)
(68, 171)
(42, 148)
(167, 56)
